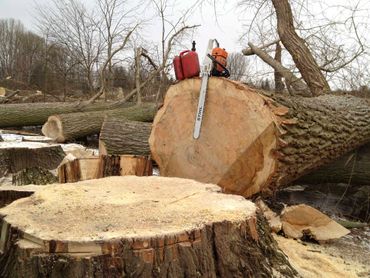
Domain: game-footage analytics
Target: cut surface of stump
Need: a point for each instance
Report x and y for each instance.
(137, 227)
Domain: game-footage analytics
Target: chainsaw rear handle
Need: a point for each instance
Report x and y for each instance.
(227, 73)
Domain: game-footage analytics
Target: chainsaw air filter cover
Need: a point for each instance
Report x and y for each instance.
(220, 55)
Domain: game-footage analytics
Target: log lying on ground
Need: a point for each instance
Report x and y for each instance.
(352, 168)
(137, 227)
(12, 115)
(104, 166)
(119, 136)
(15, 157)
(250, 142)
(66, 127)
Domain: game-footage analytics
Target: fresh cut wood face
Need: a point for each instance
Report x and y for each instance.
(238, 133)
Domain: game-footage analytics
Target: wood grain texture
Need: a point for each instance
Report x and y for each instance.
(104, 166)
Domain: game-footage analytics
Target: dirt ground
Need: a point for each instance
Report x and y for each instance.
(346, 257)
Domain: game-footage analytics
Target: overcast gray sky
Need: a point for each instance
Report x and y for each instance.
(227, 34)
(228, 28)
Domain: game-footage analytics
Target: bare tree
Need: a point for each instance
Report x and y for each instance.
(238, 66)
(172, 32)
(297, 47)
(313, 42)
(70, 24)
(116, 25)
(10, 36)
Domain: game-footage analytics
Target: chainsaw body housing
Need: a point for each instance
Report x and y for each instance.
(220, 56)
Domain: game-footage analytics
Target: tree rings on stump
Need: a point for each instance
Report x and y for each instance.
(237, 136)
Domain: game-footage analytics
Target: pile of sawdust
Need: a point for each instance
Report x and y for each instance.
(313, 261)
(123, 207)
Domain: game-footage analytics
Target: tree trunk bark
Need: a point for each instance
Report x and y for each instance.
(15, 159)
(104, 166)
(292, 81)
(71, 126)
(9, 194)
(278, 77)
(34, 175)
(12, 115)
(297, 48)
(120, 136)
(352, 168)
(158, 227)
(250, 142)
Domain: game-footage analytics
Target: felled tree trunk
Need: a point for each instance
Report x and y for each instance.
(104, 166)
(352, 168)
(137, 227)
(250, 142)
(66, 127)
(19, 157)
(12, 115)
(119, 136)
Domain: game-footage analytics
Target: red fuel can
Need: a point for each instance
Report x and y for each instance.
(178, 68)
(186, 65)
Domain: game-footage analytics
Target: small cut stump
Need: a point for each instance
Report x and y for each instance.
(89, 168)
(17, 156)
(136, 227)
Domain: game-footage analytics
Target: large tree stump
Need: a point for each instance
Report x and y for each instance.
(71, 126)
(250, 142)
(104, 166)
(12, 115)
(119, 136)
(137, 227)
(15, 157)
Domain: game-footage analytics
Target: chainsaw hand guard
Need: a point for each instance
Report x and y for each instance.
(224, 73)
